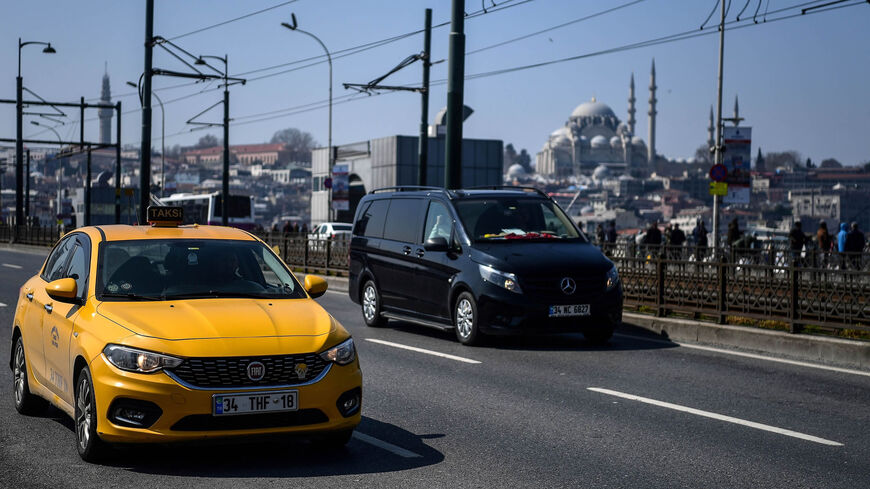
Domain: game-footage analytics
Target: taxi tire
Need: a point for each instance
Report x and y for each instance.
(334, 440)
(370, 293)
(26, 403)
(465, 320)
(92, 449)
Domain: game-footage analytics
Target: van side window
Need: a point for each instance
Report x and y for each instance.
(371, 222)
(403, 220)
(439, 224)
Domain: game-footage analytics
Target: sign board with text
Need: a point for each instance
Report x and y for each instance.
(340, 188)
(737, 159)
(718, 188)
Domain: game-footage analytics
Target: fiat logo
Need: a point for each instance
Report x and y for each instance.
(256, 371)
(568, 285)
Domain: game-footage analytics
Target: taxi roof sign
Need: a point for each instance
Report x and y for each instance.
(163, 216)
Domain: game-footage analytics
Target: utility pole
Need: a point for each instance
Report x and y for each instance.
(718, 147)
(424, 99)
(27, 188)
(118, 165)
(455, 81)
(145, 148)
(19, 136)
(88, 190)
(225, 198)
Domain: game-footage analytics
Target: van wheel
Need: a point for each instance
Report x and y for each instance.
(371, 305)
(91, 448)
(599, 336)
(465, 320)
(25, 402)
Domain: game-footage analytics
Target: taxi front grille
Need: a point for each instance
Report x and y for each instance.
(224, 372)
(207, 422)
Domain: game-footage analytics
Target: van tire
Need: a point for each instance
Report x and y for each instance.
(465, 320)
(370, 301)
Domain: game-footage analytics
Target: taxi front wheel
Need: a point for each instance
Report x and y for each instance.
(25, 402)
(91, 448)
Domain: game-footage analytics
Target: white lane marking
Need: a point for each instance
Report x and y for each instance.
(386, 446)
(9, 265)
(750, 355)
(421, 350)
(337, 292)
(2, 304)
(720, 417)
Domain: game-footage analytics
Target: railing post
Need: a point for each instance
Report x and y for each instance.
(660, 285)
(328, 253)
(722, 277)
(794, 278)
(307, 241)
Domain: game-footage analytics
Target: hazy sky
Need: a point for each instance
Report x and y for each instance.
(802, 82)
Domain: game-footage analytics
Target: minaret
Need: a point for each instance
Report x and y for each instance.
(651, 143)
(711, 130)
(631, 100)
(106, 114)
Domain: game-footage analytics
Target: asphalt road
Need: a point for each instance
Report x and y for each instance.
(526, 415)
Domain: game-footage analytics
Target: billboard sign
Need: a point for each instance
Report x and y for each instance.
(737, 159)
(340, 188)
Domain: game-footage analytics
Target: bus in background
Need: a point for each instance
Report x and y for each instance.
(206, 209)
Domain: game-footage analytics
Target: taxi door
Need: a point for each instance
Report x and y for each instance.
(57, 324)
(37, 305)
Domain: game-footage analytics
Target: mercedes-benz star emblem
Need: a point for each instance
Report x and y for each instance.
(568, 285)
(256, 371)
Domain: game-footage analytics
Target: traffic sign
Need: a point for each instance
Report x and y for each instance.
(718, 172)
(718, 188)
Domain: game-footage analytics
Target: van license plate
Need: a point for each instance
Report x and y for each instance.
(255, 402)
(568, 311)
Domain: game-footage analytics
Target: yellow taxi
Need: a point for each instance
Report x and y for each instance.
(165, 333)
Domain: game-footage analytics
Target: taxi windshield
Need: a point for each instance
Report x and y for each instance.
(500, 218)
(173, 269)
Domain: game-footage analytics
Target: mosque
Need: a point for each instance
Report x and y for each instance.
(594, 136)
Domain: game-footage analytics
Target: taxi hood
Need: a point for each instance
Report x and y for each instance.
(220, 318)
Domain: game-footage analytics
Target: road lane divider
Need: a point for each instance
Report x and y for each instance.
(720, 417)
(395, 449)
(421, 350)
(749, 355)
(2, 304)
(10, 265)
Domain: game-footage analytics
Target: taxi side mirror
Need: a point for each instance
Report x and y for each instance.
(315, 286)
(64, 290)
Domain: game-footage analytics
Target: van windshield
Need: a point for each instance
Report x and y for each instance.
(506, 218)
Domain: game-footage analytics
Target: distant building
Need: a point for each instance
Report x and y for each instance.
(105, 114)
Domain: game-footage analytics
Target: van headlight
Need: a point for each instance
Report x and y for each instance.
(342, 353)
(141, 361)
(612, 278)
(502, 279)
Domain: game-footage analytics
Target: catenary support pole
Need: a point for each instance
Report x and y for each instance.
(455, 80)
(27, 189)
(145, 147)
(118, 165)
(718, 153)
(19, 143)
(225, 193)
(88, 190)
(423, 145)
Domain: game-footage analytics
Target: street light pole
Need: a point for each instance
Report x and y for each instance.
(455, 94)
(718, 153)
(19, 137)
(145, 147)
(331, 159)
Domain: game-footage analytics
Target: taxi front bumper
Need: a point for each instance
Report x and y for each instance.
(175, 412)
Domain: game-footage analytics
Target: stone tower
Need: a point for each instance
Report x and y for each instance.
(711, 130)
(651, 142)
(105, 113)
(631, 111)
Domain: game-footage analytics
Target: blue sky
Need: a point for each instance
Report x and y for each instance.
(802, 82)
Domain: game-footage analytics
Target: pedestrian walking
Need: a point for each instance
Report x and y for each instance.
(796, 241)
(678, 238)
(841, 244)
(855, 242)
(825, 244)
(700, 236)
(599, 235)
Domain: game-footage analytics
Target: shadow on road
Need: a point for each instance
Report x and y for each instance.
(281, 457)
(628, 337)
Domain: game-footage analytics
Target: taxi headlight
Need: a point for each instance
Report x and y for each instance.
(612, 278)
(502, 279)
(342, 354)
(141, 361)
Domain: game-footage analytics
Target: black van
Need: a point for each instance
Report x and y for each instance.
(502, 260)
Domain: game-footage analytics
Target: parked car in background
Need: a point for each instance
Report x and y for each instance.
(319, 238)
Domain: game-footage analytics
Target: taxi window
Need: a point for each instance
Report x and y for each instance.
(78, 269)
(190, 269)
(55, 264)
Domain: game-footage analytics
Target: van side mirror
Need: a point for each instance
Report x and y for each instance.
(64, 290)
(436, 244)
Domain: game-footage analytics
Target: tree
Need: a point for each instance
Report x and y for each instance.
(703, 155)
(295, 140)
(867, 166)
(525, 161)
(207, 141)
(510, 156)
(788, 159)
(830, 163)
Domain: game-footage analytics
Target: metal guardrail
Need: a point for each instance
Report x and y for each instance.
(772, 283)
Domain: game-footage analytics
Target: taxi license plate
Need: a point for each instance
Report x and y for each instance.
(568, 311)
(255, 402)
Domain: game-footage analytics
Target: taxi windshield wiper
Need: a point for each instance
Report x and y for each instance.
(215, 294)
(132, 297)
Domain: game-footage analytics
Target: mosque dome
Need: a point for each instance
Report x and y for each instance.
(601, 173)
(516, 170)
(584, 142)
(593, 108)
(599, 142)
(637, 141)
(615, 142)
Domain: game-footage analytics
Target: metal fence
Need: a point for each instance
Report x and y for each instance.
(771, 282)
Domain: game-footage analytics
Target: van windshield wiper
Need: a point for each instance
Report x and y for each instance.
(133, 297)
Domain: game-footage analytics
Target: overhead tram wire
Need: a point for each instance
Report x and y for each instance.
(245, 16)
